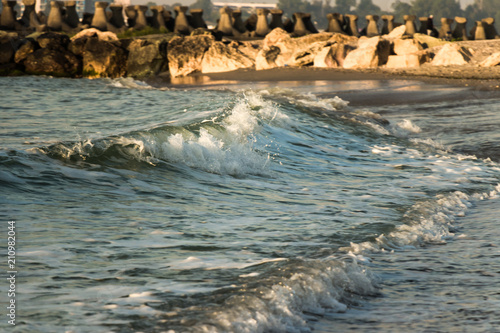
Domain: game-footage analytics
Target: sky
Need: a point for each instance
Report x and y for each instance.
(383, 4)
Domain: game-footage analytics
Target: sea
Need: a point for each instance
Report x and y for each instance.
(308, 206)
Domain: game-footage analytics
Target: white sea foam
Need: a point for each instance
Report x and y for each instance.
(129, 83)
(426, 222)
(409, 126)
(319, 287)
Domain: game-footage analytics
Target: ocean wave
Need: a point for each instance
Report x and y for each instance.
(427, 222)
(287, 300)
(222, 144)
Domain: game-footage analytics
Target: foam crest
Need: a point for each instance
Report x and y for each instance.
(284, 306)
(426, 222)
(407, 125)
(129, 83)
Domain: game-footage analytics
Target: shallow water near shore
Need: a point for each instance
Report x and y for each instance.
(367, 206)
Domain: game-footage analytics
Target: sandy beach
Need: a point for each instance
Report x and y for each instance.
(380, 85)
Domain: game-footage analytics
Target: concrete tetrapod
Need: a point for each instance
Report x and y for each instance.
(54, 21)
(198, 21)
(460, 30)
(116, 19)
(445, 31)
(225, 25)
(100, 20)
(388, 24)
(489, 27)
(410, 25)
(334, 23)
(238, 24)
(131, 14)
(299, 29)
(181, 22)
(29, 6)
(372, 27)
(141, 21)
(352, 25)
(480, 32)
(262, 27)
(276, 19)
(71, 18)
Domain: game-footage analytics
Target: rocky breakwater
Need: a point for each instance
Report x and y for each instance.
(90, 53)
(93, 53)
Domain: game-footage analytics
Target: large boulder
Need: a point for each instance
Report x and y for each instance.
(93, 32)
(223, 58)
(404, 61)
(185, 54)
(429, 41)
(409, 53)
(147, 56)
(29, 46)
(492, 60)
(266, 58)
(7, 52)
(452, 54)
(292, 51)
(53, 41)
(325, 58)
(52, 62)
(371, 53)
(407, 46)
(306, 56)
(104, 59)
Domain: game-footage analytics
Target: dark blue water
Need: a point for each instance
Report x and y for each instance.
(251, 207)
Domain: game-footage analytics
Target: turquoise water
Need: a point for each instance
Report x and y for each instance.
(288, 207)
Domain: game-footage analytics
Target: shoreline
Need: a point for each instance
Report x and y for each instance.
(380, 85)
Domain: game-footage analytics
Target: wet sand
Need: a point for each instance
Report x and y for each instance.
(380, 86)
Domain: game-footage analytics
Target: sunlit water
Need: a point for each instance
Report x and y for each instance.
(251, 207)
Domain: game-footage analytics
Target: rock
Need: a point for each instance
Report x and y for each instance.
(52, 62)
(104, 59)
(492, 60)
(396, 33)
(451, 54)
(266, 58)
(53, 40)
(325, 58)
(27, 48)
(405, 61)
(223, 58)
(428, 41)
(107, 36)
(371, 52)
(291, 49)
(250, 49)
(7, 52)
(407, 46)
(185, 54)
(147, 56)
(306, 56)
